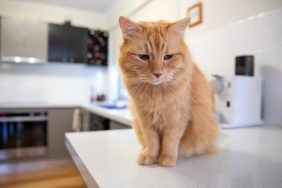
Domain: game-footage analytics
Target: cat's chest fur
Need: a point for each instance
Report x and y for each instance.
(165, 111)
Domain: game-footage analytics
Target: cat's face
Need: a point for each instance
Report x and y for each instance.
(152, 52)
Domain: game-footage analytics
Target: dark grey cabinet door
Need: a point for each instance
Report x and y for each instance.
(57, 43)
(77, 44)
(67, 44)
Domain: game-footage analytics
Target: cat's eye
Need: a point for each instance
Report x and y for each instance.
(168, 56)
(144, 57)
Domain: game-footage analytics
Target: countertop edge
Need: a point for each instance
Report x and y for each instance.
(87, 177)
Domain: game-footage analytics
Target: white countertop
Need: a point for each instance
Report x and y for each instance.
(249, 157)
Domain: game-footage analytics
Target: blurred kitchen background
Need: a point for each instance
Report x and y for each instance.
(59, 62)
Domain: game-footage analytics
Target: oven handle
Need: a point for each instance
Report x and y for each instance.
(23, 119)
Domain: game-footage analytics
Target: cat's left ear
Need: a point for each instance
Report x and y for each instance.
(180, 26)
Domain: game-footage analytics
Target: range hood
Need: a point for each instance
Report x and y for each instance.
(19, 59)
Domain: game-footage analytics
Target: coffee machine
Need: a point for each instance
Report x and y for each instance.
(238, 98)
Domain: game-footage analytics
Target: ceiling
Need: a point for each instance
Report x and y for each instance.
(100, 6)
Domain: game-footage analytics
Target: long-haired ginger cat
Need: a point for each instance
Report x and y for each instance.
(171, 100)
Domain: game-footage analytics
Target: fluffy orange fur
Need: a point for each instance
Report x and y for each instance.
(171, 100)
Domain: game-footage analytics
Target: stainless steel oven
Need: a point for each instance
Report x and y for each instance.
(23, 133)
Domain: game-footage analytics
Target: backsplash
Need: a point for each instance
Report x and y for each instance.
(52, 83)
(259, 35)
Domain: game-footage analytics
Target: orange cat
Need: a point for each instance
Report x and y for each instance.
(171, 100)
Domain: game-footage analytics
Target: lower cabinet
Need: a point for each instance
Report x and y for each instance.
(94, 122)
(59, 122)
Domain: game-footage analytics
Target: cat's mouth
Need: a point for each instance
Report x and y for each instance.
(160, 81)
(156, 82)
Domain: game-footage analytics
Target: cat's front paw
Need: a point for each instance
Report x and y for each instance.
(167, 160)
(146, 159)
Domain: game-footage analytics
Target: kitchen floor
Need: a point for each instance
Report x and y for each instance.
(51, 173)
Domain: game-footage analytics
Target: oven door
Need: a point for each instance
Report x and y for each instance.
(23, 134)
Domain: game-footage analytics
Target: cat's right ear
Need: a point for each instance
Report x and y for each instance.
(128, 27)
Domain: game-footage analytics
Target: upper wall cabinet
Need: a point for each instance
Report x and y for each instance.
(23, 40)
(67, 44)
(77, 45)
(27, 41)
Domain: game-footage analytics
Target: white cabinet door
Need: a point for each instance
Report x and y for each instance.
(23, 38)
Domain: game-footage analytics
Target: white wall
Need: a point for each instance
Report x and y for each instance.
(53, 14)
(51, 83)
(158, 10)
(124, 8)
(221, 12)
(232, 28)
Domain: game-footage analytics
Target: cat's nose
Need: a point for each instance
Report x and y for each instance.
(157, 75)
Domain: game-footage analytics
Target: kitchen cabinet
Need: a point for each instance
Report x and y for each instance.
(95, 122)
(59, 122)
(23, 40)
(67, 43)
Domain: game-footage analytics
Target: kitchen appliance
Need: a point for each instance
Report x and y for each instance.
(238, 99)
(23, 133)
